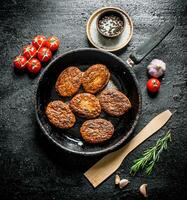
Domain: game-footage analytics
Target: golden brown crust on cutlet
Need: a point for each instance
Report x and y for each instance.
(85, 105)
(69, 81)
(96, 130)
(95, 78)
(60, 115)
(114, 102)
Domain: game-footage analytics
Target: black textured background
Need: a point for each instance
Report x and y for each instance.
(31, 168)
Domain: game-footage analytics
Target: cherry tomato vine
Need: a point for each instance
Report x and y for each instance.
(33, 54)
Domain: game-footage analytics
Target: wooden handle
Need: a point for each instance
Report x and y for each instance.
(111, 162)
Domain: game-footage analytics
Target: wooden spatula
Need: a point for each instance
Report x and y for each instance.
(111, 162)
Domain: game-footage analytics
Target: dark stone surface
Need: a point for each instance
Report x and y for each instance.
(31, 168)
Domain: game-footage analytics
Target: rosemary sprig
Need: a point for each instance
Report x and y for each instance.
(151, 155)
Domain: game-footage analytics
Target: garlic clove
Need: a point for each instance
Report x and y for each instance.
(117, 179)
(123, 183)
(143, 190)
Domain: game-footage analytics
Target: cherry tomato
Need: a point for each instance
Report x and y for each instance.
(29, 51)
(19, 62)
(153, 85)
(44, 54)
(34, 66)
(39, 41)
(52, 43)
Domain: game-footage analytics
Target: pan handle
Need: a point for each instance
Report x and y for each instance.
(137, 56)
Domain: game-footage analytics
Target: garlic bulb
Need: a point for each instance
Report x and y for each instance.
(156, 68)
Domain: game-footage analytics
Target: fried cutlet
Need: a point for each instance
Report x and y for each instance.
(114, 102)
(85, 105)
(69, 81)
(60, 115)
(95, 78)
(96, 130)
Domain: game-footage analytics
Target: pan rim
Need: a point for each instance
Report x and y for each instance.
(89, 153)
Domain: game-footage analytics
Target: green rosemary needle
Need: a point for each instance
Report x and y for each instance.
(151, 155)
